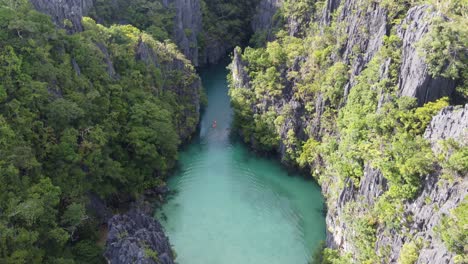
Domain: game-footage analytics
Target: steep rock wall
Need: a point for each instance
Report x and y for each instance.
(436, 199)
(187, 27)
(137, 238)
(189, 91)
(263, 20)
(414, 79)
(60, 10)
(365, 25)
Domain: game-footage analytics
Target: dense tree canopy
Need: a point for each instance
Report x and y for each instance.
(81, 113)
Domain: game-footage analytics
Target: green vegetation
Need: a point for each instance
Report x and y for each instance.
(409, 253)
(444, 48)
(148, 15)
(152, 254)
(453, 158)
(78, 114)
(227, 22)
(304, 79)
(453, 230)
(325, 255)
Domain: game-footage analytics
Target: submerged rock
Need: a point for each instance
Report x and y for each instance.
(136, 237)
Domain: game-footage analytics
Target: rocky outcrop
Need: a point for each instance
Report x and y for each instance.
(62, 10)
(240, 76)
(98, 208)
(436, 199)
(328, 10)
(146, 54)
(414, 78)
(364, 25)
(214, 50)
(137, 238)
(451, 122)
(438, 196)
(263, 20)
(187, 27)
(107, 60)
(372, 186)
(365, 28)
(188, 87)
(188, 91)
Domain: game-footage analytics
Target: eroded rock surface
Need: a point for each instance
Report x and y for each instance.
(62, 10)
(135, 237)
(414, 78)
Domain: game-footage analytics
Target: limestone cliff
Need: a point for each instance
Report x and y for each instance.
(62, 10)
(188, 27)
(137, 238)
(436, 199)
(363, 30)
(414, 79)
(188, 88)
(263, 20)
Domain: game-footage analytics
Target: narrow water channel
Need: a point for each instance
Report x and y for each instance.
(233, 207)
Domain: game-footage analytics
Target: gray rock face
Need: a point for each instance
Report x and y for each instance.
(328, 10)
(372, 186)
(365, 25)
(451, 122)
(98, 208)
(187, 27)
(214, 51)
(240, 76)
(59, 10)
(188, 19)
(146, 53)
(414, 79)
(365, 29)
(107, 60)
(436, 199)
(137, 238)
(263, 18)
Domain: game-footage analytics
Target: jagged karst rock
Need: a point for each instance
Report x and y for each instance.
(136, 238)
(146, 54)
(214, 51)
(372, 186)
(365, 24)
(263, 21)
(444, 195)
(451, 122)
(328, 10)
(365, 29)
(240, 76)
(107, 60)
(414, 78)
(60, 10)
(187, 27)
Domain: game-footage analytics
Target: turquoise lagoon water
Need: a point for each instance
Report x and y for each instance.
(233, 207)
